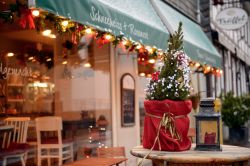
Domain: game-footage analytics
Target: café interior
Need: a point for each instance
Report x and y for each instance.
(47, 75)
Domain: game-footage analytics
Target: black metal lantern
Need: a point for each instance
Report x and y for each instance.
(207, 127)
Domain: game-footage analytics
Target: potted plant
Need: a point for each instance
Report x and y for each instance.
(235, 113)
(166, 122)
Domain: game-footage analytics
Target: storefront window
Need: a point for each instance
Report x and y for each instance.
(51, 76)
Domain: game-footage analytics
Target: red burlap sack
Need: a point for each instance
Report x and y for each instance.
(154, 110)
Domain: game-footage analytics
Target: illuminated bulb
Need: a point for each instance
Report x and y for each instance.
(138, 46)
(124, 42)
(49, 59)
(31, 58)
(88, 30)
(152, 61)
(46, 32)
(142, 74)
(149, 75)
(218, 71)
(108, 37)
(65, 23)
(52, 36)
(10, 54)
(35, 13)
(150, 50)
(88, 65)
(197, 64)
(160, 53)
(221, 71)
(64, 62)
(208, 68)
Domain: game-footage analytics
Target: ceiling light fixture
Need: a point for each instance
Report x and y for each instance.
(46, 32)
(10, 54)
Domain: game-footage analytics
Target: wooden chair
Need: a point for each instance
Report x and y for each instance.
(111, 152)
(14, 143)
(49, 141)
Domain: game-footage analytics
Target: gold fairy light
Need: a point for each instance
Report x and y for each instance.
(64, 62)
(35, 13)
(65, 23)
(87, 65)
(142, 74)
(10, 54)
(31, 58)
(108, 37)
(124, 42)
(152, 61)
(138, 46)
(197, 64)
(150, 50)
(88, 30)
(46, 32)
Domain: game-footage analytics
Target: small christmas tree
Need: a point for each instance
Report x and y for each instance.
(172, 81)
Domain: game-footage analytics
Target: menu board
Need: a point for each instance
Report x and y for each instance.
(127, 100)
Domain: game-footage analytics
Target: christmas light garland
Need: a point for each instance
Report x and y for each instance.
(44, 22)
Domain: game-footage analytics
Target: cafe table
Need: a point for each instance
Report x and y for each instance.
(95, 161)
(230, 155)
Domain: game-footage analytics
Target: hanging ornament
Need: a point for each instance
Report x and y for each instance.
(103, 40)
(26, 18)
(143, 56)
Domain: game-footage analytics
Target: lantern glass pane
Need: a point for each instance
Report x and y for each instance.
(207, 132)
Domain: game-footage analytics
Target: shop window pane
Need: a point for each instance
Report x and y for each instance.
(83, 95)
(48, 78)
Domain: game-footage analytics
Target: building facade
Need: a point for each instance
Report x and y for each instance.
(233, 46)
(85, 84)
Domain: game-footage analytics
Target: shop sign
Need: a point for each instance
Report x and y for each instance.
(97, 17)
(231, 18)
(7, 71)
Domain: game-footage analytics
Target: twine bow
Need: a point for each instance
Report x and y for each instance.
(167, 121)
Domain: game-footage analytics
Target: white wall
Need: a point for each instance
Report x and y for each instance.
(125, 136)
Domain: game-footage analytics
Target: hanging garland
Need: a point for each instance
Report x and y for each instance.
(44, 22)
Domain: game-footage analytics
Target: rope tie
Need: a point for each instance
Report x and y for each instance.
(167, 121)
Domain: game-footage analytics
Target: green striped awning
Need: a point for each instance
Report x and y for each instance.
(137, 20)
(196, 44)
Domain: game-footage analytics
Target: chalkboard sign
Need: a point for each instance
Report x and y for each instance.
(127, 100)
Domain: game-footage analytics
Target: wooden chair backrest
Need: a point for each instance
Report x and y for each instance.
(111, 152)
(19, 133)
(49, 124)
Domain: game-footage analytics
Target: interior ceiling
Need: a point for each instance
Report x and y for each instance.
(27, 35)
